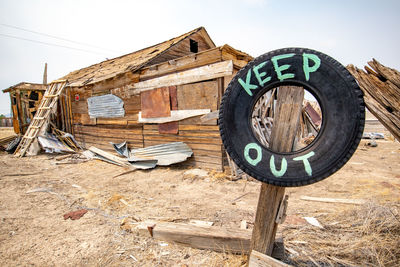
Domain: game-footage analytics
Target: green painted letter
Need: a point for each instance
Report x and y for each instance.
(273, 168)
(307, 165)
(262, 74)
(255, 161)
(247, 86)
(306, 65)
(279, 69)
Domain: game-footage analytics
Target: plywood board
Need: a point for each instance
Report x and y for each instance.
(155, 103)
(198, 95)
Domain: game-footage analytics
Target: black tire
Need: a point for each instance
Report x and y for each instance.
(339, 97)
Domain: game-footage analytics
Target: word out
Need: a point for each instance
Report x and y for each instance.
(272, 166)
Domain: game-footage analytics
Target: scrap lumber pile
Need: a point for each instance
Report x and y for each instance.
(381, 87)
(6, 140)
(263, 120)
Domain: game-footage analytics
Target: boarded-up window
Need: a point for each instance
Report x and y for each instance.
(198, 96)
(155, 103)
(105, 106)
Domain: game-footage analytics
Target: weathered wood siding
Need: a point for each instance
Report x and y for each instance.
(202, 137)
(204, 140)
(100, 136)
(181, 49)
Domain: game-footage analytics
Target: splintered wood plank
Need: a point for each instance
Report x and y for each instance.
(286, 119)
(204, 73)
(202, 237)
(335, 200)
(183, 63)
(382, 97)
(258, 259)
(155, 103)
(175, 115)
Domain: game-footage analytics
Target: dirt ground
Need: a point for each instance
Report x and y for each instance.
(35, 193)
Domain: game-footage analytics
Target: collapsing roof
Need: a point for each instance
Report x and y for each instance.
(24, 86)
(134, 61)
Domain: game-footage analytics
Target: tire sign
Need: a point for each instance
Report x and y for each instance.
(338, 95)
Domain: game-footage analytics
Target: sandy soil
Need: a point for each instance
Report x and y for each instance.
(34, 232)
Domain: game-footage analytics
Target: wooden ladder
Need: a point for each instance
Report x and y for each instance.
(49, 100)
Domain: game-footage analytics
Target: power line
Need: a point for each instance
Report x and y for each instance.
(50, 44)
(55, 37)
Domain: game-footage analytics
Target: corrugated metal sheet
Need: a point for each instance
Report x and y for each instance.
(52, 145)
(166, 154)
(106, 106)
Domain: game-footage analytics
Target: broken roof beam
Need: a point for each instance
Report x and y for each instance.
(191, 61)
(202, 58)
(204, 73)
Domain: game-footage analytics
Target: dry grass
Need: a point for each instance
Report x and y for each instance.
(367, 236)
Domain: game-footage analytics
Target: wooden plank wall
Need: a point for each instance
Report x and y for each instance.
(202, 137)
(204, 140)
(100, 136)
(101, 131)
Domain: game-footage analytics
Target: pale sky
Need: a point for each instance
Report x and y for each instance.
(351, 31)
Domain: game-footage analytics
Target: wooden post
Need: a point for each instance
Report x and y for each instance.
(45, 74)
(286, 120)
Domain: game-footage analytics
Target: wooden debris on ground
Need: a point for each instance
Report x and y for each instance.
(381, 88)
(71, 159)
(258, 259)
(202, 237)
(6, 140)
(214, 238)
(334, 200)
(66, 138)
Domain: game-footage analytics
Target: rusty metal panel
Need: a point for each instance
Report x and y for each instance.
(168, 127)
(155, 103)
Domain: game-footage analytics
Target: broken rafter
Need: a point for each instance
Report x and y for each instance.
(212, 71)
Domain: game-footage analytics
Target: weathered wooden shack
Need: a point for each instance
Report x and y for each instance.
(25, 98)
(162, 89)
